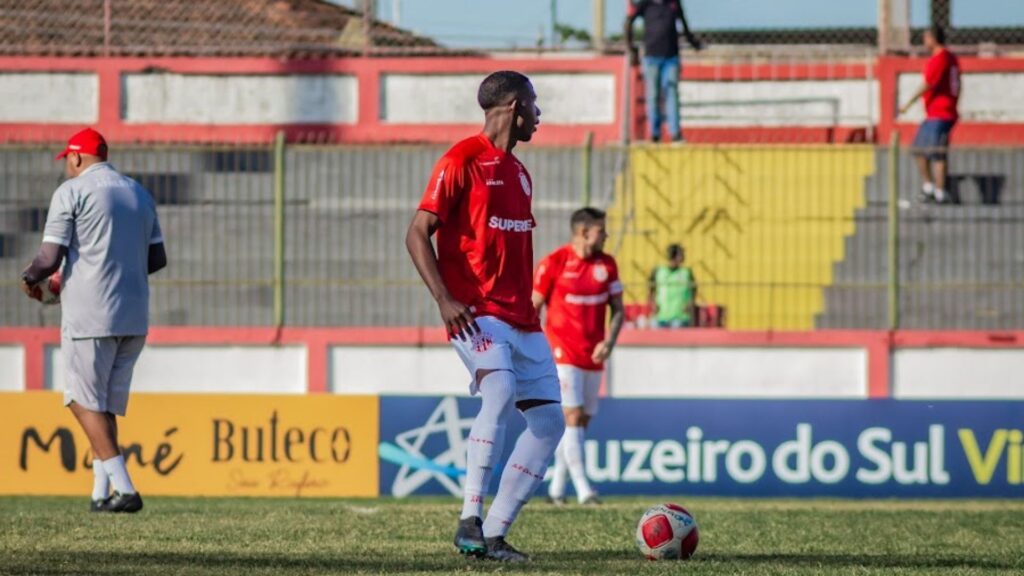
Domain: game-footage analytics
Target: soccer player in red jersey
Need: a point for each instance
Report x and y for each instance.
(478, 202)
(579, 283)
(941, 91)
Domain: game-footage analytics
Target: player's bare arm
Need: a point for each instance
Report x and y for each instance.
(693, 41)
(634, 52)
(604, 349)
(157, 259)
(538, 300)
(46, 262)
(917, 96)
(458, 318)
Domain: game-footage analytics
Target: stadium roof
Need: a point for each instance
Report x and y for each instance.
(268, 28)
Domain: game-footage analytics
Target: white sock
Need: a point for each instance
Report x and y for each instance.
(119, 475)
(940, 195)
(559, 474)
(486, 439)
(525, 469)
(100, 481)
(573, 446)
(928, 188)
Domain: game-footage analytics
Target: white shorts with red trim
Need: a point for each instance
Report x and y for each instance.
(499, 346)
(580, 388)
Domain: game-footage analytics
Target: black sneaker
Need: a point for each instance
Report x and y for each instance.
(122, 503)
(500, 550)
(469, 537)
(96, 506)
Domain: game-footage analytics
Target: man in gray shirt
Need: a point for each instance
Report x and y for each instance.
(103, 225)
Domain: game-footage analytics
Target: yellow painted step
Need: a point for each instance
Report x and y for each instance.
(763, 226)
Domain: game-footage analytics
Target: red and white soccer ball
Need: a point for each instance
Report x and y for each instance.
(667, 532)
(49, 292)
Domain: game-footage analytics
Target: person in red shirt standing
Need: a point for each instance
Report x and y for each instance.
(579, 283)
(478, 202)
(941, 90)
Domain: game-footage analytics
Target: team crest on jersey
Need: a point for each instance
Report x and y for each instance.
(600, 273)
(525, 183)
(482, 341)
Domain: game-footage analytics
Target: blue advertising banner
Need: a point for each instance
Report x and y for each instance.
(843, 448)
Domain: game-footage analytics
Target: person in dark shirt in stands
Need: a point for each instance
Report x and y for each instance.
(661, 60)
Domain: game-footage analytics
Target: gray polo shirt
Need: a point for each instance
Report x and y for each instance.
(107, 221)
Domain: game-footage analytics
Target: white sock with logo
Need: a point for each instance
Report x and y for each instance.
(559, 473)
(574, 459)
(100, 481)
(119, 475)
(525, 469)
(486, 438)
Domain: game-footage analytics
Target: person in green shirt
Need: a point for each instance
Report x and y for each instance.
(673, 291)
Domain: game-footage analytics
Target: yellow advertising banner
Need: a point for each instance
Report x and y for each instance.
(200, 445)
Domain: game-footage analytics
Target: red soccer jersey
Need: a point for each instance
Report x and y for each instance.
(482, 195)
(942, 74)
(576, 292)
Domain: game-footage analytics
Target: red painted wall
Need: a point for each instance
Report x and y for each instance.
(371, 130)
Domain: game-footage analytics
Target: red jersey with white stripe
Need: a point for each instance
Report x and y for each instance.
(483, 198)
(576, 292)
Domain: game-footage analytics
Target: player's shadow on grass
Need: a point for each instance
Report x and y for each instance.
(866, 561)
(216, 562)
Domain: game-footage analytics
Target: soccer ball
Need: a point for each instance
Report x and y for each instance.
(667, 532)
(49, 292)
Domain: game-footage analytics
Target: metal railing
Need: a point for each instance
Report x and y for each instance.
(783, 237)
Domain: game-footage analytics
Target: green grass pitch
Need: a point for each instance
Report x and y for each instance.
(228, 536)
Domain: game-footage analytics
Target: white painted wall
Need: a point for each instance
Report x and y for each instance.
(739, 372)
(402, 370)
(855, 103)
(12, 368)
(449, 99)
(635, 372)
(49, 97)
(983, 97)
(241, 99)
(951, 373)
(219, 369)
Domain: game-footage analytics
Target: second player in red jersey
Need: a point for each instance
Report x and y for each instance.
(579, 283)
(577, 291)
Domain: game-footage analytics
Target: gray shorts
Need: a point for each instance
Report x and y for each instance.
(98, 371)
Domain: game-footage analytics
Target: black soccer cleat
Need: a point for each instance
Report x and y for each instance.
(501, 551)
(122, 503)
(469, 537)
(96, 505)
(592, 500)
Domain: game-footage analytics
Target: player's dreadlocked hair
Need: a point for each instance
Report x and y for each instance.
(500, 88)
(586, 217)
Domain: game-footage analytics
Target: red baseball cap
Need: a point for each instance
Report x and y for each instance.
(87, 141)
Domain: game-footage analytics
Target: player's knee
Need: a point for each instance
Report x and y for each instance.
(546, 421)
(574, 416)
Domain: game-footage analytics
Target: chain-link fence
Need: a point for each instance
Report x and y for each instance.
(780, 237)
(318, 29)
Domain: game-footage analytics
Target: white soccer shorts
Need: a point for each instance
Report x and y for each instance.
(580, 387)
(499, 346)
